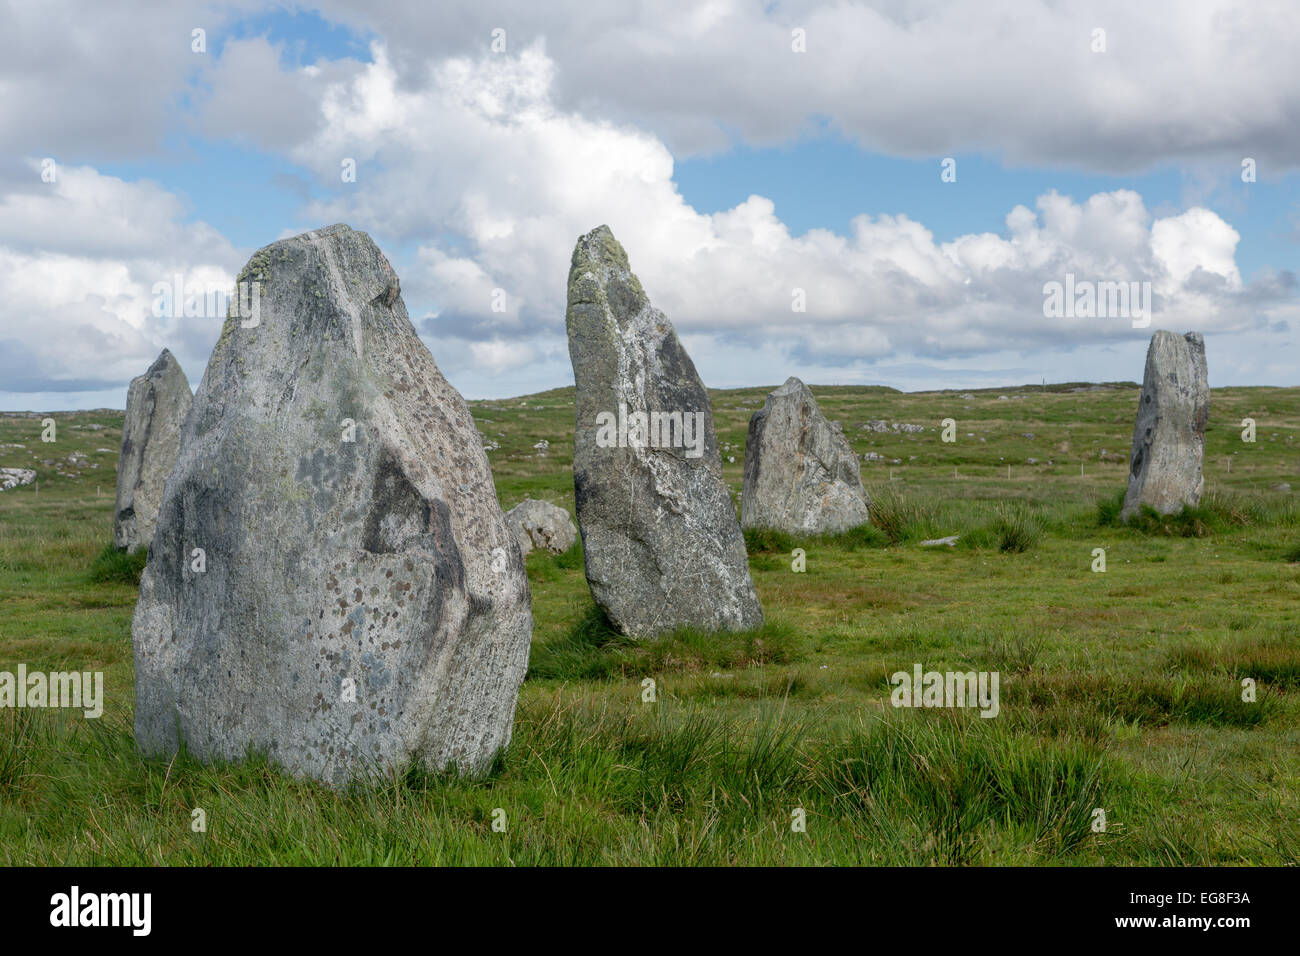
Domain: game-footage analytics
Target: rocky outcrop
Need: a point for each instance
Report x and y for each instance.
(15, 477)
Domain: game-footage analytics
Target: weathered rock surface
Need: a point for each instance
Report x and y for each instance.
(540, 524)
(1169, 435)
(801, 475)
(156, 405)
(662, 544)
(13, 477)
(362, 603)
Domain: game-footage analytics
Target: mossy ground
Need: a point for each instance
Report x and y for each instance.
(1120, 690)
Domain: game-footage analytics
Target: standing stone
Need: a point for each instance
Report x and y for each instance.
(156, 405)
(1169, 437)
(662, 544)
(332, 582)
(540, 524)
(800, 473)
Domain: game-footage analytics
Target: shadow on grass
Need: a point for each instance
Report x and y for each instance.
(594, 649)
(118, 567)
(776, 541)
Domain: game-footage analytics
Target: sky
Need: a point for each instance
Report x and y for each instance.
(873, 193)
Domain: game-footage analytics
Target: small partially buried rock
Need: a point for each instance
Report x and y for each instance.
(13, 477)
(1169, 434)
(156, 405)
(662, 545)
(540, 524)
(801, 475)
(332, 583)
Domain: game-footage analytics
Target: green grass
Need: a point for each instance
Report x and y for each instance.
(593, 649)
(112, 565)
(775, 541)
(1016, 531)
(18, 747)
(1119, 690)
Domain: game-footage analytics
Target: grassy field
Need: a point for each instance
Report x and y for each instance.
(1120, 690)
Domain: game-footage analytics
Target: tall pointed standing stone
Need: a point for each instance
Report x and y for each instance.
(332, 582)
(800, 473)
(662, 544)
(156, 405)
(1169, 435)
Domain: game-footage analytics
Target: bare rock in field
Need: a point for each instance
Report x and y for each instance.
(156, 405)
(1169, 435)
(801, 475)
(14, 477)
(540, 524)
(663, 546)
(332, 582)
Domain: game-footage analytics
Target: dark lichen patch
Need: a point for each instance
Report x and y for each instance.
(398, 512)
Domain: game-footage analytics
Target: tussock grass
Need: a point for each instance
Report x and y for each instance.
(768, 541)
(1218, 512)
(593, 649)
(950, 789)
(19, 737)
(1016, 530)
(113, 565)
(902, 519)
(1267, 660)
(1147, 700)
(1017, 653)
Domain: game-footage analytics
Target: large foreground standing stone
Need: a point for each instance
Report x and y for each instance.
(156, 405)
(1169, 437)
(663, 547)
(332, 582)
(800, 473)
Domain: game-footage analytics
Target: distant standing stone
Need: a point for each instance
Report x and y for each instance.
(1169, 435)
(332, 583)
(156, 405)
(540, 524)
(801, 475)
(662, 544)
